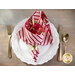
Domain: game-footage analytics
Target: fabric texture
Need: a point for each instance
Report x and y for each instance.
(36, 31)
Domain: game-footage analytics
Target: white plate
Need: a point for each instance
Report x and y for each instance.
(23, 51)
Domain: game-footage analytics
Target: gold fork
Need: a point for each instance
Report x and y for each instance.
(9, 30)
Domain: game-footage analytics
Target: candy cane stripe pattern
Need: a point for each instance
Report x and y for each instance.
(36, 31)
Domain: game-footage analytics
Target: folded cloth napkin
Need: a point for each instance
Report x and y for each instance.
(36, 31)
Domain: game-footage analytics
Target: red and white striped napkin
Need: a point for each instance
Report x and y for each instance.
(36, 31)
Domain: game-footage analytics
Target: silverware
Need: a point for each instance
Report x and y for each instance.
(65, 40)
(9, 44)
(60, 44)
(33, 47)
(67, 57)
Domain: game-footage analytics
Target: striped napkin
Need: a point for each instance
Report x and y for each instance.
(36, 31)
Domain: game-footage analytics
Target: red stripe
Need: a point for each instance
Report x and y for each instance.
(36, 15)
(46, 20)
(36, 55)
(23, 33)
(33, 52)
(43, 34)
(37, 52)
(51, 41)
(26, 41)
(19, 34)
(31, 38)
(36, 38)
(36, 19)
(49, 31)
(39, 37)
(45, 37)
(34, 58)
(48, 39)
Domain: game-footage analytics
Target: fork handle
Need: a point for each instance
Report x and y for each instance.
(60, 52)
(9, 48)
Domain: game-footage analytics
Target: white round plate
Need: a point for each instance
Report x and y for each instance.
(23, 51)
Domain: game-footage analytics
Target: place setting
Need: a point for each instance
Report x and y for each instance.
(35, 41)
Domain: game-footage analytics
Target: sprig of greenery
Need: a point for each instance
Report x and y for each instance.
(35, 21)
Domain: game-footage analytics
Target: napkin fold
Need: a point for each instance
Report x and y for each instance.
(36, 31)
